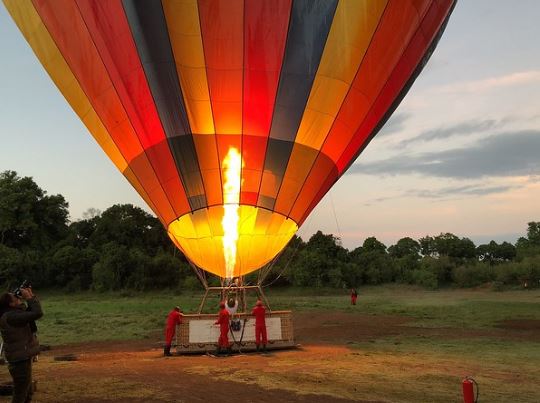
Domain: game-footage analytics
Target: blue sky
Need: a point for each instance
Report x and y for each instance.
(460, 154)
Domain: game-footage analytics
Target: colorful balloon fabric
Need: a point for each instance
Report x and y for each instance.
(232, 118)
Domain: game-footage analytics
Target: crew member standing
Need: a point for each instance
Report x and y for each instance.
(260, 325)
(174, 318)
(354, 295)
(223, 322)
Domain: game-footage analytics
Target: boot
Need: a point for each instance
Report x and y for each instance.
(167, 351)
(257, 348)
(264, 348)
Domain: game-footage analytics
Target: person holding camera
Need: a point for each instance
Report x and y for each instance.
(17, 325)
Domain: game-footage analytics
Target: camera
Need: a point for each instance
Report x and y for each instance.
(24, 284)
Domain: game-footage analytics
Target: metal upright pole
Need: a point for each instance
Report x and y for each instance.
(264, 297)
(203, 301)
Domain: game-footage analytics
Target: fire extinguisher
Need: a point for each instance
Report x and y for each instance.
(468, 390)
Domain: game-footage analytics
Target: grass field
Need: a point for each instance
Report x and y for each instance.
(92, 317)
(445, 335)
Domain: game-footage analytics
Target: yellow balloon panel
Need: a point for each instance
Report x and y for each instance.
(262, 234)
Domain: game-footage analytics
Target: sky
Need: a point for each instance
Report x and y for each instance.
(461, 154)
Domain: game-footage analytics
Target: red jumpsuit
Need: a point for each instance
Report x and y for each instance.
(354, 295)
(223, 322)
(174, 318)
(260, 324)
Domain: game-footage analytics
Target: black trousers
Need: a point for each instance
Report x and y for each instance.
(21, 372)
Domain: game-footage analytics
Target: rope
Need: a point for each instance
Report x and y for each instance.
(335, 215)
(308, 224)
(238, 343)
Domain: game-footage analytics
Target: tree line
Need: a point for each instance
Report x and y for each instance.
(126, 248)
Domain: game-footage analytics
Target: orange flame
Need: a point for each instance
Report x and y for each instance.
(232, 165)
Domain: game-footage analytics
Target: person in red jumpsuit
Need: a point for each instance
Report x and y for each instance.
(354, 295)
(174, 318)
(223, 322)
(260, 325)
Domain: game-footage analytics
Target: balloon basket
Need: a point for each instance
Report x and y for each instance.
(198, 334)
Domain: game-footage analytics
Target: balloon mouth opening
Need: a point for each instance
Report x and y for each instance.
(260, 235)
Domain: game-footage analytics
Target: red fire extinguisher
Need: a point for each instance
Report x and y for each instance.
(468, 390)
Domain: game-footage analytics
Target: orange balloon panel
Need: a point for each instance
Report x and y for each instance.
(232, 118)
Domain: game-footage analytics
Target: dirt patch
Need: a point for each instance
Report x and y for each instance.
(342, 328)
(346, 328)
(520, 324)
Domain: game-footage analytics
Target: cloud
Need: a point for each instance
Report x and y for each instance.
(507, 154)
(467, 190)
(519, 78)
(461, 129)
(446, 192)
(395, 124)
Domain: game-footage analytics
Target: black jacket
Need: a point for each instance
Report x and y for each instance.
(20, 343)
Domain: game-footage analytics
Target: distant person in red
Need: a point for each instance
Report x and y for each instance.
(260, 325)
(354, 295)
(223, 322)
(174, 318)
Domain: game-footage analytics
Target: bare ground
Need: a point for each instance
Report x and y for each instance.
(323, 369)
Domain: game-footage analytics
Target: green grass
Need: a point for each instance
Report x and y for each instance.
(91, 316)
(447, 308)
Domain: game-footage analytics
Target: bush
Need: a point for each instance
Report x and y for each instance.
(472, 276)
(192, 283)
(112, 269)
(525, 273)
(102, 277)
(351, 275)
(11, 264)
(404, 266)
(72, 267)
(441, 268)
(424, 278)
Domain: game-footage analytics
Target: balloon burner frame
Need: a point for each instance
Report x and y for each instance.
(198, 333)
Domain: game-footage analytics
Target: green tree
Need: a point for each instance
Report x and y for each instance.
(375, 266)
(320, 262)
(440, 268)
(494, 253)
(115, 265)
(529, 246)
(28, 217)
(533, 233)
(11, 265)
(371, 244)
(406, 256)
(130, 226)
(405, 247)
(427, 246)
(72, 267)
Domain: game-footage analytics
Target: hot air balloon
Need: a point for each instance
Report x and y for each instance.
(232, 118)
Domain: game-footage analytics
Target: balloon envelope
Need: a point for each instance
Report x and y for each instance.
(232, 118)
